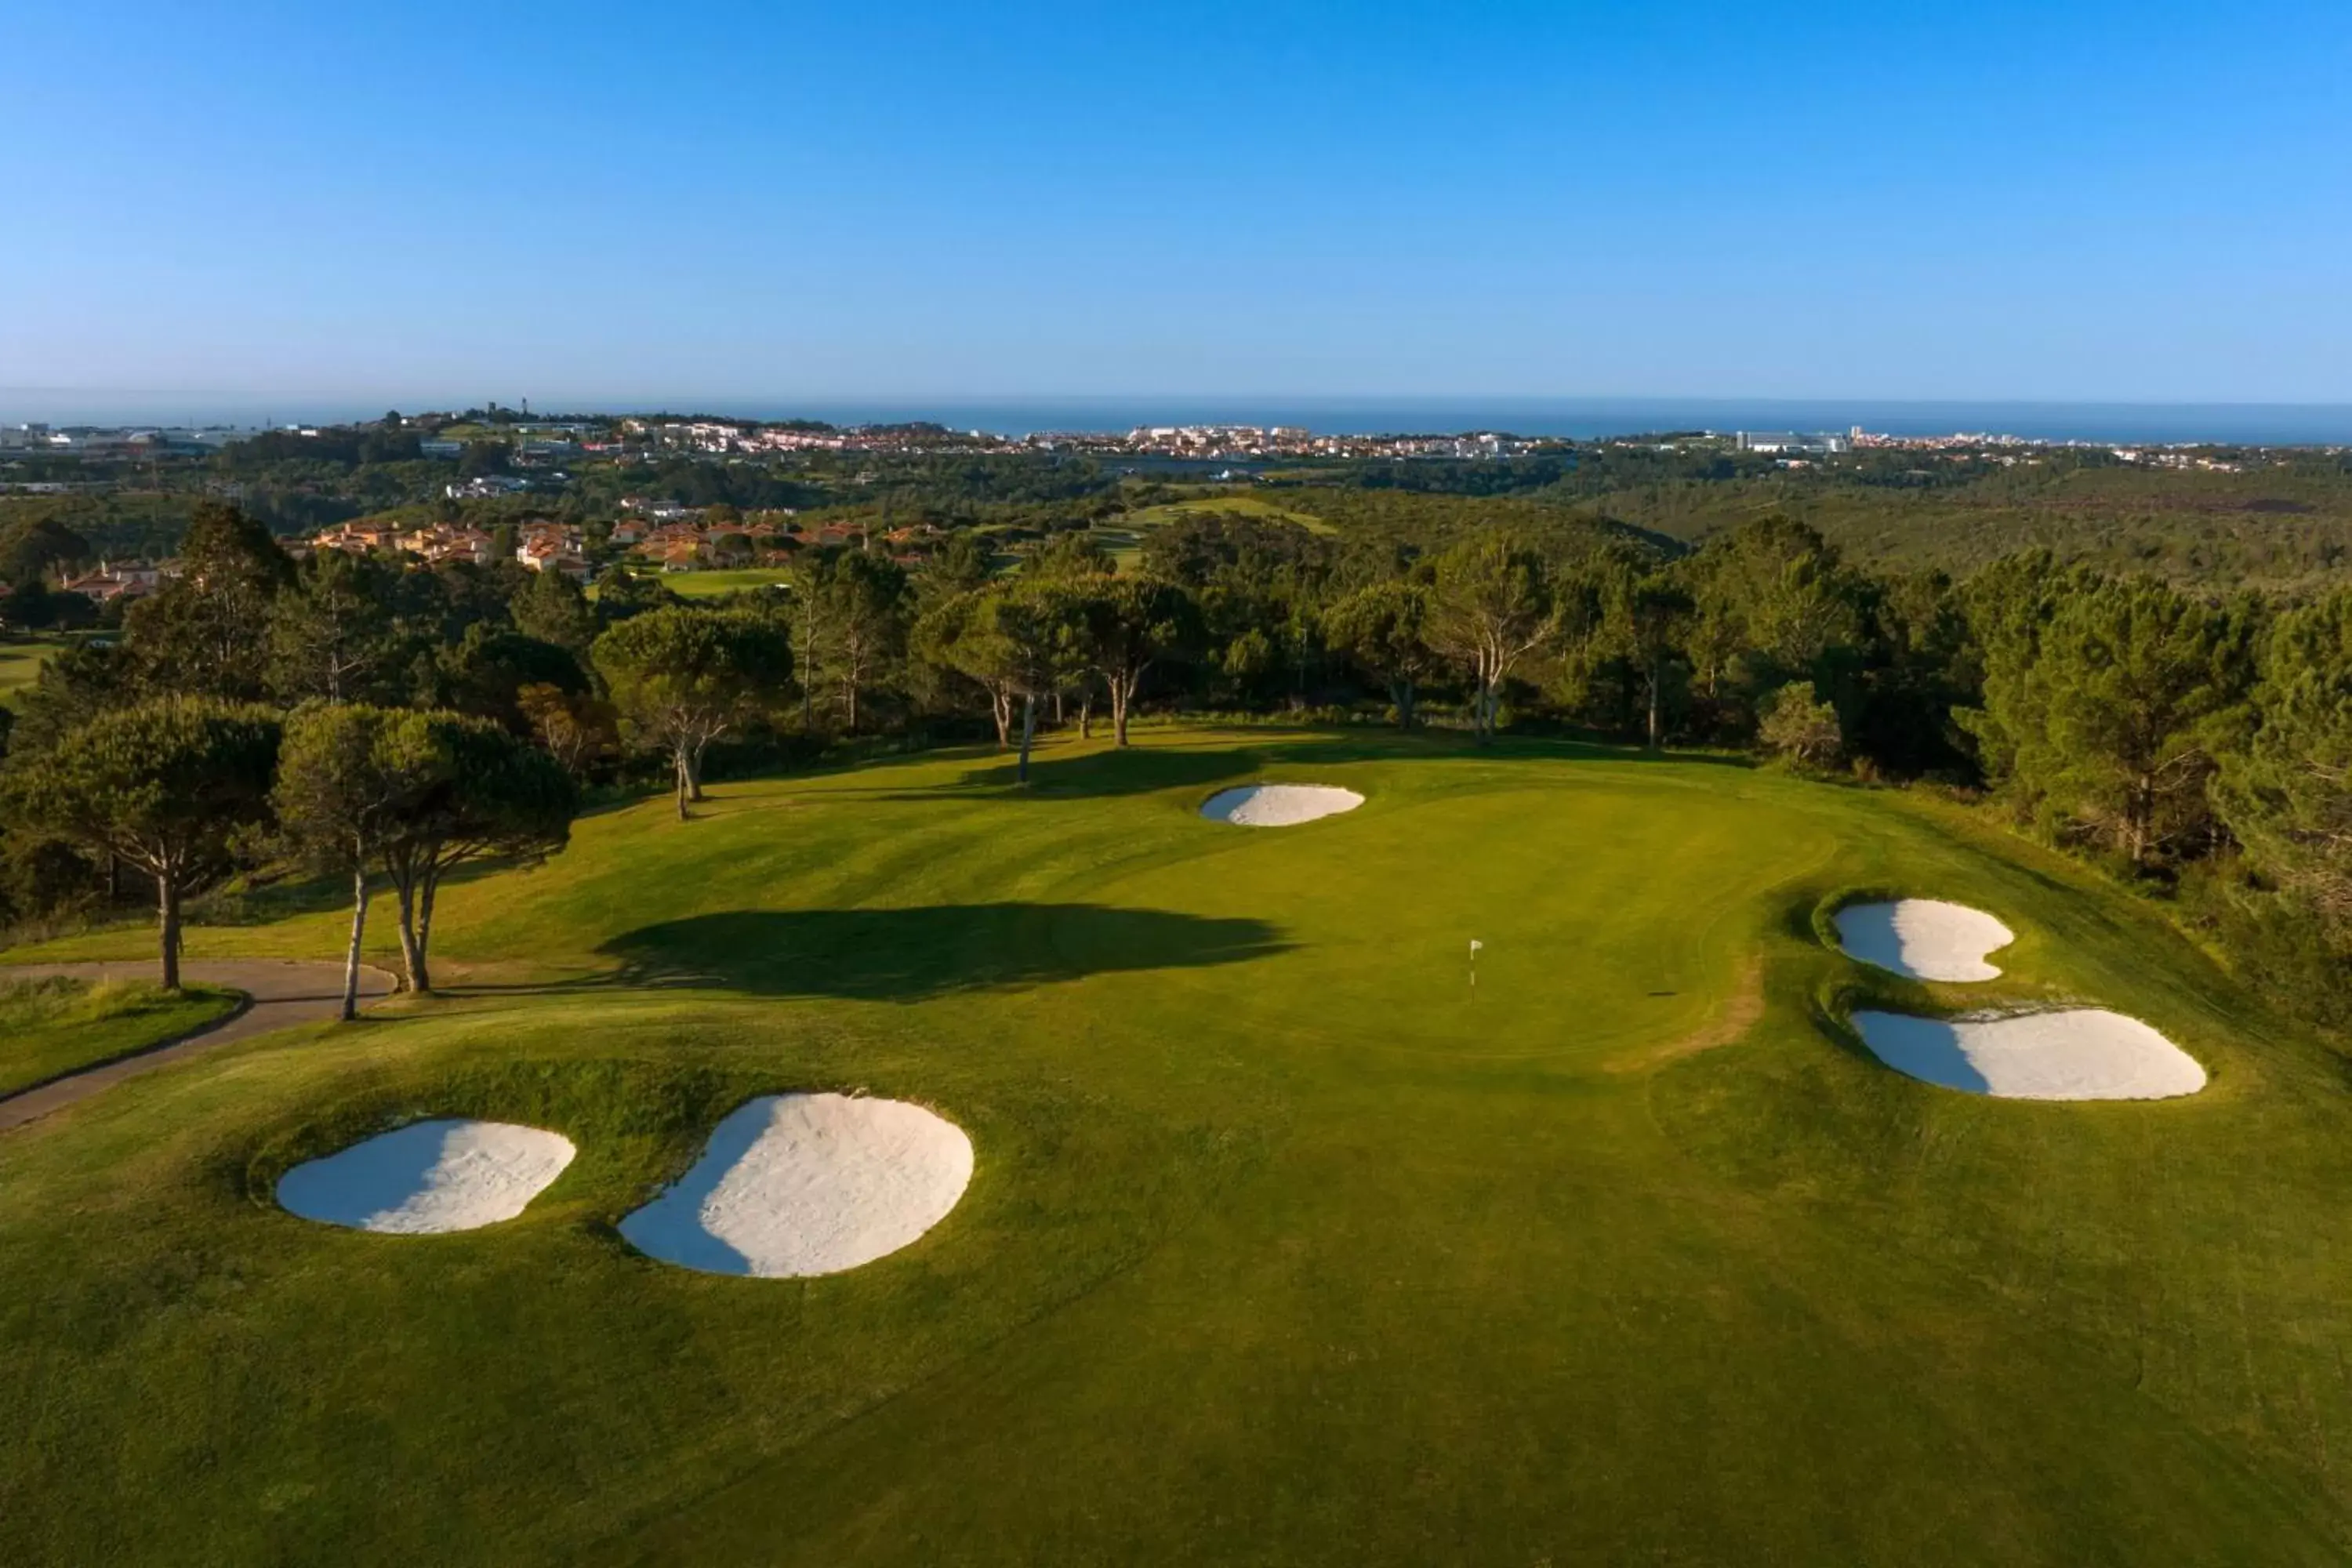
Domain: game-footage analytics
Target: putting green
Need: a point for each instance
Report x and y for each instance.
(1282, 1244)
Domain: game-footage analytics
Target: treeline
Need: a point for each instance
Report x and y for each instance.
(48, 534)
(2278, 522)
(343, 447)
(688, 481)
(31, 553)
(2279, 519)
(2199, 746)
(344, 715)
(2204, 744)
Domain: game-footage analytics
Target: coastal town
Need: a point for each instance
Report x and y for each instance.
(537, 450)
(586, 496)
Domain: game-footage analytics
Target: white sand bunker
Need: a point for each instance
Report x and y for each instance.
(2080, 1053)
(429, 1177)
(1278, 805)
(1925, 939)
(796, 1184)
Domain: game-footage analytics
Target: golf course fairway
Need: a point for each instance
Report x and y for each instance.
(1282, 1243)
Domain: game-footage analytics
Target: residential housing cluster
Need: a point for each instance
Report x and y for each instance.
(540, 545)
(432, 544)
(1205, 442)
(679, 539)
(659, 534)
(1245, 442)
(120, 580)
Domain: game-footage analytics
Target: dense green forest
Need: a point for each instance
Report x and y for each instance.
(2277, 519)
(2150, 663)
(2286, 527)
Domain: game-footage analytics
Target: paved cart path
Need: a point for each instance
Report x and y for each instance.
(278, 993)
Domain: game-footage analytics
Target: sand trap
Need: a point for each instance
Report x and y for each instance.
(795, 1184)
(429, 1177)
(2080, 1053)
(1925, 939)
(1278, 805)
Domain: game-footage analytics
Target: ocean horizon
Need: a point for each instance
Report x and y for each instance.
(2252, 424)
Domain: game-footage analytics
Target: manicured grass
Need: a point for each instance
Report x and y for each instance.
(50, 1028)
(1283, 1243)
(1123, 538)
(716, 584)
(1224, 499)
(712, 585)
(20, 663)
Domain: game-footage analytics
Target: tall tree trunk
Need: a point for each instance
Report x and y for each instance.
(1122, 699)
(359, 928)
(1086, 715)
(1028, 728)
(808, 671)
(677, 769)
(430, 886)
(1000, 708)
(1059, 720)
(167, 919)
(694, 769)
(412, 955)
(1657, 678)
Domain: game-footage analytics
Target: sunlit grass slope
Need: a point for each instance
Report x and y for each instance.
(50, 1028)
(1286, 1243)
(20, 663)
(716, 584)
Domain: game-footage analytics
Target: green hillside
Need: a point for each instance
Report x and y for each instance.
(1285, 1243)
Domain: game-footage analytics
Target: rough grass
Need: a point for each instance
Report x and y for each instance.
(51, 1028)
(1283, 1245)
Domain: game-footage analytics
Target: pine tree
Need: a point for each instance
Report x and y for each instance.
(2287, 794)
(2138, 690)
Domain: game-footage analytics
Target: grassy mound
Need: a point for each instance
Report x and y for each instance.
(1283, 1243)
(51, 1028)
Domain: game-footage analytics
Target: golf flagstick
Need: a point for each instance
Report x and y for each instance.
(1474, 946)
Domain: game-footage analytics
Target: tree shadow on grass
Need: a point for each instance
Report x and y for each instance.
(910, 954)
(1144, 769)
(1155, 765)
(1582, 747)
(1139, 770)
(311, 894)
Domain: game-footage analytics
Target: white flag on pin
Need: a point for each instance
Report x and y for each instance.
(1475, 944)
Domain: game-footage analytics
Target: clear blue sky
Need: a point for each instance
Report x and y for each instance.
(583, 201)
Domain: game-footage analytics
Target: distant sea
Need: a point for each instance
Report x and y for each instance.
(2268, 423)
